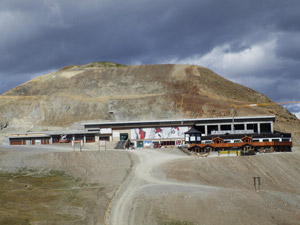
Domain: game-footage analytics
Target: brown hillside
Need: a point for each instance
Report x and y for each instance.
(78, 93)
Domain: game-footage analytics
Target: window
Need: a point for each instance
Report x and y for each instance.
(90, 139)
(104, 138)
(265, 128)
(265, 140)
(201, 129)
(239, 127)
(226, 127)
(211, 128)
(252, 127)
(164, 143)
(187, 137)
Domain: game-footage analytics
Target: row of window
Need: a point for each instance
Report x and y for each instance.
(264, 127)
(240, 141)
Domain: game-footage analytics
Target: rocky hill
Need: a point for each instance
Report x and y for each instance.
(109, 91)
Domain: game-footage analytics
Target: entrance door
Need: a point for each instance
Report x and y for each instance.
(140, 144)
(123, 136)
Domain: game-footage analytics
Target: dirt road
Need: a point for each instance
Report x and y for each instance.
(146, 179)
(140, 178)
(157, 187)
(167, 187)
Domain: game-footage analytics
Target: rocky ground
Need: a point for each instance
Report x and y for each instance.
(53, 185)
(64, 99)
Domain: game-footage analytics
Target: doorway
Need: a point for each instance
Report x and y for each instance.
(123, 136)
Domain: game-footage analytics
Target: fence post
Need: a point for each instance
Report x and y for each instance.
(256, 183)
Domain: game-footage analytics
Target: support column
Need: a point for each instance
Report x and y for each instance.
(51, 140)
(272, 127)
(206, 131)
(84, 139)
(258, 128)
(246, 126)
(73, 138)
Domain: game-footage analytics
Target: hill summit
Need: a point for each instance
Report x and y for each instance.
(114, 92)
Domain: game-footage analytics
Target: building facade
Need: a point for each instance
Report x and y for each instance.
(167, 133)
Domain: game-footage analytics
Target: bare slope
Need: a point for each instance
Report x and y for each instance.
(147, 187)
(234, 201)
(78, 93)
(29, 189)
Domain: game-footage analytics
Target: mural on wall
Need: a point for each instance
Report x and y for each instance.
(158, 133)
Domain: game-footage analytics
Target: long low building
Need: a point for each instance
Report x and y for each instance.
(151, 133)
(51, 137)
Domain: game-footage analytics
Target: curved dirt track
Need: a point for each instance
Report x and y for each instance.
(145, 178)
(167, 187)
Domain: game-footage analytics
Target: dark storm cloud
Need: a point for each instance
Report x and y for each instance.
(261, 35)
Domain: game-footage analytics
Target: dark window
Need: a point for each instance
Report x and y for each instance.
(140, 144)
(164, 143)
(78, 137)
(226, 127)
(104, 138)
(239, 127)
(265, 140)
(212, 128)
(69, 137)
(90, 138)
(123, 136)
(265, 128)
(201, 129)
(55, 139)
(252, 127)
(275, 140)
(285, 140)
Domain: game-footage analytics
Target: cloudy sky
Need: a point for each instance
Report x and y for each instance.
(253, 42)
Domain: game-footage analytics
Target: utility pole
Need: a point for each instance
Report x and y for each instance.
(256, 183)
(232, 129)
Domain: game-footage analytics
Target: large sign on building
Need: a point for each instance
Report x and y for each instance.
(158, 133)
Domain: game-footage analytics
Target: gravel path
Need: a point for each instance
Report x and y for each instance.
(146, 179)
(165, 186)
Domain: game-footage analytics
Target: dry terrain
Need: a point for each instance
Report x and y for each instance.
(146, 92)
(53, 185)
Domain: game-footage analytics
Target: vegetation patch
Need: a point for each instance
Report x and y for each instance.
(68, 67)
(163, 219)
(174, 222)
(27, 197)
(104, 64)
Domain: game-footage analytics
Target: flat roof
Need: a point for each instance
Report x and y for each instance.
(28, 136)
(70, 132)
(180, 121)
(49, 133)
